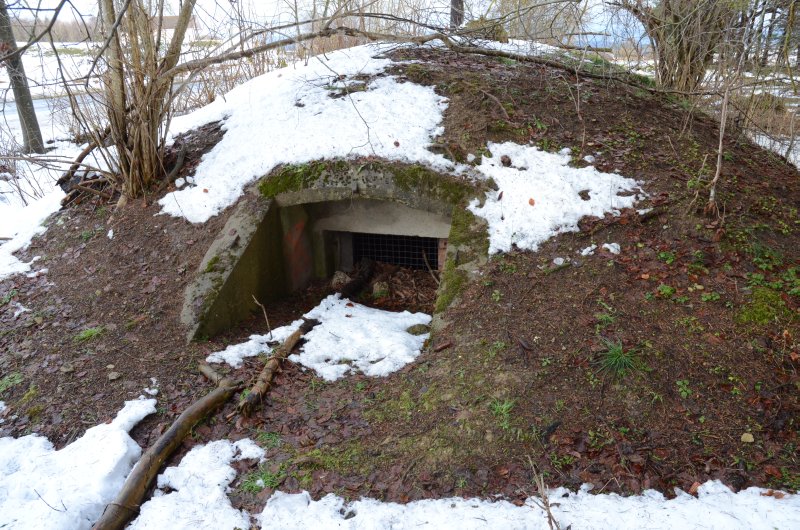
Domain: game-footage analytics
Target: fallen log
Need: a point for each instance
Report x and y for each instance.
(126, 505)
(256, 395)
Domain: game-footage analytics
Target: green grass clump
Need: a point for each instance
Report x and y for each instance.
(269, 439)
(88, 334)
(502, 411)
(617, 360)
(10, 380)
(262, 478)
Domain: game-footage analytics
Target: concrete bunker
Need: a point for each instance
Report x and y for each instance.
(302, 223)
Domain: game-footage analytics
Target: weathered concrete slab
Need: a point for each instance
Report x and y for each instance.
(245, 260)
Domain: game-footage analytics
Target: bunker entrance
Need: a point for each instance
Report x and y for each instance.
(412, 252)
(281, 245)
(325, 237)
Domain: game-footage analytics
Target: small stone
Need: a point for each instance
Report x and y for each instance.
(339, 280)
(505, 160)
(113, 376)
(748, 438)
(66, 368)
(380, 289)
(110, 366)
(418, 329)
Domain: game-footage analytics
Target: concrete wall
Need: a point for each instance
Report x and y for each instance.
(377, 217)
(282, 233)
(245, 260)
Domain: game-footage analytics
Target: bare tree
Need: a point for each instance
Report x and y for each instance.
(138, 85)
(31, 135)
(685, 35)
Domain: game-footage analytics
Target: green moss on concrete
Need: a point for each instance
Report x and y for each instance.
(211, 266)
(465, 231)
(419, 179)
(452, 284)
(294, 177)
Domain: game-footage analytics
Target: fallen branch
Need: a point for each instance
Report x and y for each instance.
(126, 505)
(264, 382)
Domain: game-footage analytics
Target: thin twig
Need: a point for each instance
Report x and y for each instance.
(264, 310)
(48, 504)
(430, 269)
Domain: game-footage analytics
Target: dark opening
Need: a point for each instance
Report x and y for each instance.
(406, 251)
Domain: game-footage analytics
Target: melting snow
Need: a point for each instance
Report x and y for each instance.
(714, 507)
(349, 337)
(290, 116)
(538, 195)
(69, 488)
(199, 487)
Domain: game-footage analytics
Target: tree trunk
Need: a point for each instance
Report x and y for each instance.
(768, 39)
(31, 135)
(456, 13)
(138, 84)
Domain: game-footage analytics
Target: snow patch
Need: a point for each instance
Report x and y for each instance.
(199, 487)
(588, 251)
(349, 337)
(715, 507)
(538, 196)
(291, 111)
(69, 488)
(20, 309)
(258, 344)
(612, 247)
(21, 224)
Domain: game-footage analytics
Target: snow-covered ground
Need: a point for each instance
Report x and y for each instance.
(350, 337)
(68, 489)
(539, 195)
(295, 115)
(44, 488)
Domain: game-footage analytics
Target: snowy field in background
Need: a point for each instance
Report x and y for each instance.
(350, 337)
(27, 200)
(41, 65)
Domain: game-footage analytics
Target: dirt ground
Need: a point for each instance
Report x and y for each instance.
(670, 363)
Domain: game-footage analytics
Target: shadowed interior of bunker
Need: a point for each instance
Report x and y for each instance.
(324, 237)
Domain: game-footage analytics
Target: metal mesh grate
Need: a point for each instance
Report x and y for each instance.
(406, 251)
